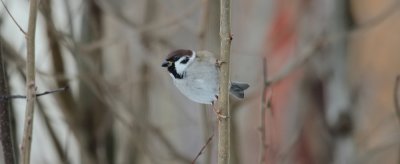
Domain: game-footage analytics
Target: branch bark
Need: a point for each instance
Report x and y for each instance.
(6, 135)
(223, 99)
(30, 84)
(202, 149)
(36, 95)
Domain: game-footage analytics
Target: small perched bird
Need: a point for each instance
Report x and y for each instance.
(195, 74)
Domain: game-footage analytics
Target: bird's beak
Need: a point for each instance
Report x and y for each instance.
(166, 64)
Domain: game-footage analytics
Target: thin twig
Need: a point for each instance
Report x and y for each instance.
(223, 99)
(15, 21)
(202, 149)
(264, 106)
(30, 84)
(37, 95)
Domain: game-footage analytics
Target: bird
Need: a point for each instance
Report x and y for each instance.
(196, 75)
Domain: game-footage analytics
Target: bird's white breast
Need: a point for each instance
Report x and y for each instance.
(200, 83)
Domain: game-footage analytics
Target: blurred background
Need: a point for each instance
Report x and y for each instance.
(322, 75)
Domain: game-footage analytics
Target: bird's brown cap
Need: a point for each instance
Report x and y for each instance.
(175, 55)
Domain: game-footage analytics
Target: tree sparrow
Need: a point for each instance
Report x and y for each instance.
(195, 74)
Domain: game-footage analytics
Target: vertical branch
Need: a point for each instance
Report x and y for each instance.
(10, 54)
(6, 138)
(30, 84)
(223, 99)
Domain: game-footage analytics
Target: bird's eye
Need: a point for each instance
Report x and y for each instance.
(184, 61)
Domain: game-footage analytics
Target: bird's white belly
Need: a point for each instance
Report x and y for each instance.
(198, 89)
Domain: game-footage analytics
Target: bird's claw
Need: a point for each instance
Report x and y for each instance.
(218, 113)
(218, 63)
(221, 116)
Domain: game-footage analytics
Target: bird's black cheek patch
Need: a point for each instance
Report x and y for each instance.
(184, 61)
(172, 70)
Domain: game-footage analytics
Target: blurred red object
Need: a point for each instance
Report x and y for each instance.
(280, 48)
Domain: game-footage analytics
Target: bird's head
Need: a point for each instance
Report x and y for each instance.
(177, 62)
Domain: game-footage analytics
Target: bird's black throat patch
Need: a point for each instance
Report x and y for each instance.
(172, 70)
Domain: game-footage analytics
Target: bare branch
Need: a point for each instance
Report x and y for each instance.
(30, 84)
(15, 21)
(6, 123)
(37, 95)
(202, 149)
(224, 79)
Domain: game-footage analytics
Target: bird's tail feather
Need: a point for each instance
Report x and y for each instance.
(237, 89)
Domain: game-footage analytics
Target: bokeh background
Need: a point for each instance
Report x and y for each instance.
(323, 71)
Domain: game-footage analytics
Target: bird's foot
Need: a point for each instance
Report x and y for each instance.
(218, 113)
(218, 63)
(220, 116)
